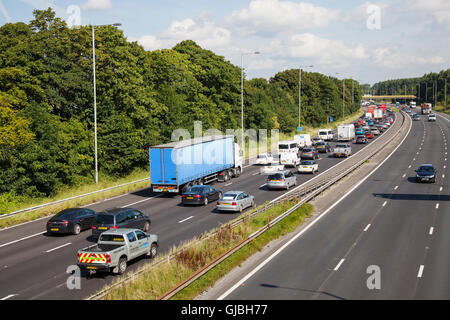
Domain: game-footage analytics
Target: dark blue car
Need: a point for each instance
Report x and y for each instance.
(426, 173)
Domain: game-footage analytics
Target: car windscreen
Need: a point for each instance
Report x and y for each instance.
(426, 169)
(104, 219)
(111, 238)
(323, 133)
(276, 176)
(283, 146)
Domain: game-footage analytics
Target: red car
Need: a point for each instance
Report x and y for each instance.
(368, 134)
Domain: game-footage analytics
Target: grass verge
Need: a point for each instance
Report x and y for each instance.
(155, 282)
(71, 192)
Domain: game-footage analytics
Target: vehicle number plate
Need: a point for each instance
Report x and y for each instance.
(54, 229)
(102, 228)
(92, 268)
(274, 181)
(225, 203)
(189, 198)
(305, 167)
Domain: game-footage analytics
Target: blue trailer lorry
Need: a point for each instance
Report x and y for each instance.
(176, 166)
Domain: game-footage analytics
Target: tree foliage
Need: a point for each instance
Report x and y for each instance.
(46, 101)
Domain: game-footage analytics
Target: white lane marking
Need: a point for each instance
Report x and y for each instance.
(443, 176)
(384, 204)
(437, 205)
(339, 264)
(185, 219)
(273, 255)
(431, 231)
(367, 227)
(445, 166)
(262, 185)
(414, 159)
(419, 274)
(228, 184)
(132, 204)
(440, 189)
(256, 173)
(25, 238)
(62, 246)
(396, 187)
(409, 166)
(9, 296)
(404, 175)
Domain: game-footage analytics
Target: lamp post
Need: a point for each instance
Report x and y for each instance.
(300, 92)
(242, 94)
(95, 95)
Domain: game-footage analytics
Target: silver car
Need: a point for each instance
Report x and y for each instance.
(282, 180)
(235, 201)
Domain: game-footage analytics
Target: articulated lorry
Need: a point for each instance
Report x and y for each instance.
(176, 166)
(425, 108)
(346, 132)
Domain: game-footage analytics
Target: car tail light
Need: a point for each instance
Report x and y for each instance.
(218, 202)
(233, 203)
(65, 223)
(281, 180)
(93, 227)
(197, 196)
(183, 196)
(114, 227)
(220, 174)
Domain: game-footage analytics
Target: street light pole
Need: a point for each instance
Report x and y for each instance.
(242, 96)
(95, 96)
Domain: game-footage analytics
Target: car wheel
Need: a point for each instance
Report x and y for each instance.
(240, 209)
(146, 227)
(76, 229)
(153, 251)
(122, 265)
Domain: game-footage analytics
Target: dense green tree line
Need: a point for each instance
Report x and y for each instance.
(428, 88)
(46, 101)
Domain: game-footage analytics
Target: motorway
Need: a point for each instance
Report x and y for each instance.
(388, 239)
(33, 263)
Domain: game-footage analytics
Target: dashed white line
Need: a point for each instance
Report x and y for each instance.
(431, 231)
(256, 173)
(396, 187)
(419, 274)
(339, 264)
(25, 238)
(437, 205)
(384, 204)
(9, 296)
(62, 246)
(132, 204)
(440, 189)
(228, 184)
(185, 219)
(404, 175)
(367, 227)
(262, 185)
(443, 176)
(409, 166)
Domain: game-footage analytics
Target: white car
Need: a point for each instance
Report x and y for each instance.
(308, 166)
(273, 167)
(264, 159)
(431, 117)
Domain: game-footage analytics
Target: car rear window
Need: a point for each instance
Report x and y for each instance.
(262, 156)
(276, 176)
(229, 196)
(426, 169)
(283, 146)
(307, 150)
(307, 162)
(196, 189)
(104, 219)
(111, 238)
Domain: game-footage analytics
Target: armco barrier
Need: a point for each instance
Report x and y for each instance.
(305, 193)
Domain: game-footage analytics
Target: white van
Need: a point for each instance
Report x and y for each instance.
(287, 147)
(289, 159)
(326, 134)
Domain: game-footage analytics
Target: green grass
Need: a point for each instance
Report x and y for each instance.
(153, 283)
(104, 182)
(440, 108)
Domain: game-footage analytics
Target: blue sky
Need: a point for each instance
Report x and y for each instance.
(367, 41)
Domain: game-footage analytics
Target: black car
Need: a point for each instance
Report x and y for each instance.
(426, 173)
(120, 218)
(72, 220)
(200, 195)
(323, 147)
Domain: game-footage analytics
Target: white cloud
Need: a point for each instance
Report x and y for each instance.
(271, 16)
(205, 33)
(97, 5)
(440, 9)
(324, 51)
(384, 57)
(150, 42)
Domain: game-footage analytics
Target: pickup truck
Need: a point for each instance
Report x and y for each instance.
(342, 150)
(115, 248)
